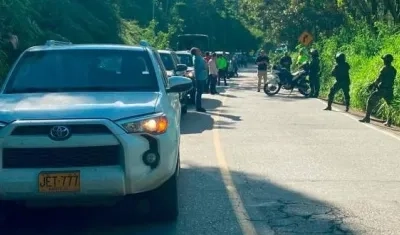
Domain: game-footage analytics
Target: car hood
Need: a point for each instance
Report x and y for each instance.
(113, 106)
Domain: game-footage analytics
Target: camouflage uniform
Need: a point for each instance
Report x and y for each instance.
(314, 74)
(342, 75)
(383, 89)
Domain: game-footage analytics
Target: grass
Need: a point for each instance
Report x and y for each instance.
(363, 49)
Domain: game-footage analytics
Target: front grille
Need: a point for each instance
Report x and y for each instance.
(61, 157)
(75, 129)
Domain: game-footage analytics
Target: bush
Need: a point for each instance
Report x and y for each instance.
(363, 47)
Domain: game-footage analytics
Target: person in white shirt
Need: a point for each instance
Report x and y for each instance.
(213, 74)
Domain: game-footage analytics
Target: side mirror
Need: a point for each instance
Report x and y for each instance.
(179, 84)
(181, 67)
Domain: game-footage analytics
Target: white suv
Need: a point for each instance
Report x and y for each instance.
(83, 122)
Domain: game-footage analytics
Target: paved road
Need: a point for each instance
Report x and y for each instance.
(263, 165)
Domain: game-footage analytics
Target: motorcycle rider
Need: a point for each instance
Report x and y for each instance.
(286, 61)
(314, 73)
(383, 87)
(342, 75)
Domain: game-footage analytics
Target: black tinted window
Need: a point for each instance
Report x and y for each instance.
(83, 70)
(168, 61)
(186, 59)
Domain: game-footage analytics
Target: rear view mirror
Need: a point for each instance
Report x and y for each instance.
(178, 84)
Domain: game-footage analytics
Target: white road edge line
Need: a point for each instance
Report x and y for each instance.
(238, 207)
(396, 137)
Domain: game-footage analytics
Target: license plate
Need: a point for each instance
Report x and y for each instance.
(58, 182)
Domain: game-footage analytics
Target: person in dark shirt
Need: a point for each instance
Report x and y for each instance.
(10, 45)
(383, 87)
(342, 75)
(262, 62)
(314, 73)
(286, 61)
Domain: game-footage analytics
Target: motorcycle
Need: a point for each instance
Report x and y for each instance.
(281, 78)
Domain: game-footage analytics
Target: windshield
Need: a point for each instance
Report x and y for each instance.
(186, 59)
(167, 61)
(83, 70)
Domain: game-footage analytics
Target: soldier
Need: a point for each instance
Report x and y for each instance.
(383, 88)
(314, 73)
(341, 73)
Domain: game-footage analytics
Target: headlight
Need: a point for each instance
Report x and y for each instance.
(190, 74)
(155, 125)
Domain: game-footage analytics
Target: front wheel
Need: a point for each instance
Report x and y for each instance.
(272, 89)
(305, 88)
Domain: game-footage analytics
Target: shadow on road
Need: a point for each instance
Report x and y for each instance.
(194, 122)
(205, 208)
(287, 97)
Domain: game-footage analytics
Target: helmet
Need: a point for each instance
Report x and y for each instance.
(388, 58)
(314, 52)
(340, 57)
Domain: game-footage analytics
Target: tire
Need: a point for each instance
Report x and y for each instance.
(164, 200)
(268, 92)
(161, 204)
(8, 214)
(304, 89)
(184, 110)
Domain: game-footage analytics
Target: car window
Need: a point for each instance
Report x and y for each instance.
(186, 59)
(162, 68)
(168, 61)
(83, 70)
(175, 58)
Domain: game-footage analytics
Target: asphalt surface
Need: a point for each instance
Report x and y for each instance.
(265, 165)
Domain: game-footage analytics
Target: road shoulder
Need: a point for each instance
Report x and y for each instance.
(377, 122)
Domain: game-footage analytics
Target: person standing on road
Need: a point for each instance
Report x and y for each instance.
(10, 45)
(341, 72)
(200, 71)
(222, 64)
(213, 74)
(226, 72)
(383, 87)
(235, 65)
(262, 63)
(314, 73)
(207, 57)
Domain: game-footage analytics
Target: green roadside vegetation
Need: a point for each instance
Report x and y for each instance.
(363, 29)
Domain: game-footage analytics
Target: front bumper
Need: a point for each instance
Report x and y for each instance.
(124, 174)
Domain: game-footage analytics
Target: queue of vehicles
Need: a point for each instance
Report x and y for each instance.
(93, 125)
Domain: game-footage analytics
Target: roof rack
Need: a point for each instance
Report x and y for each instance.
(57, 43)
(144, 43)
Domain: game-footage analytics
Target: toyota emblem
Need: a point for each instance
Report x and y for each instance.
(59, 133)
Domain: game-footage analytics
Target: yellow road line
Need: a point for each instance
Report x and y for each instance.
(234, 197)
